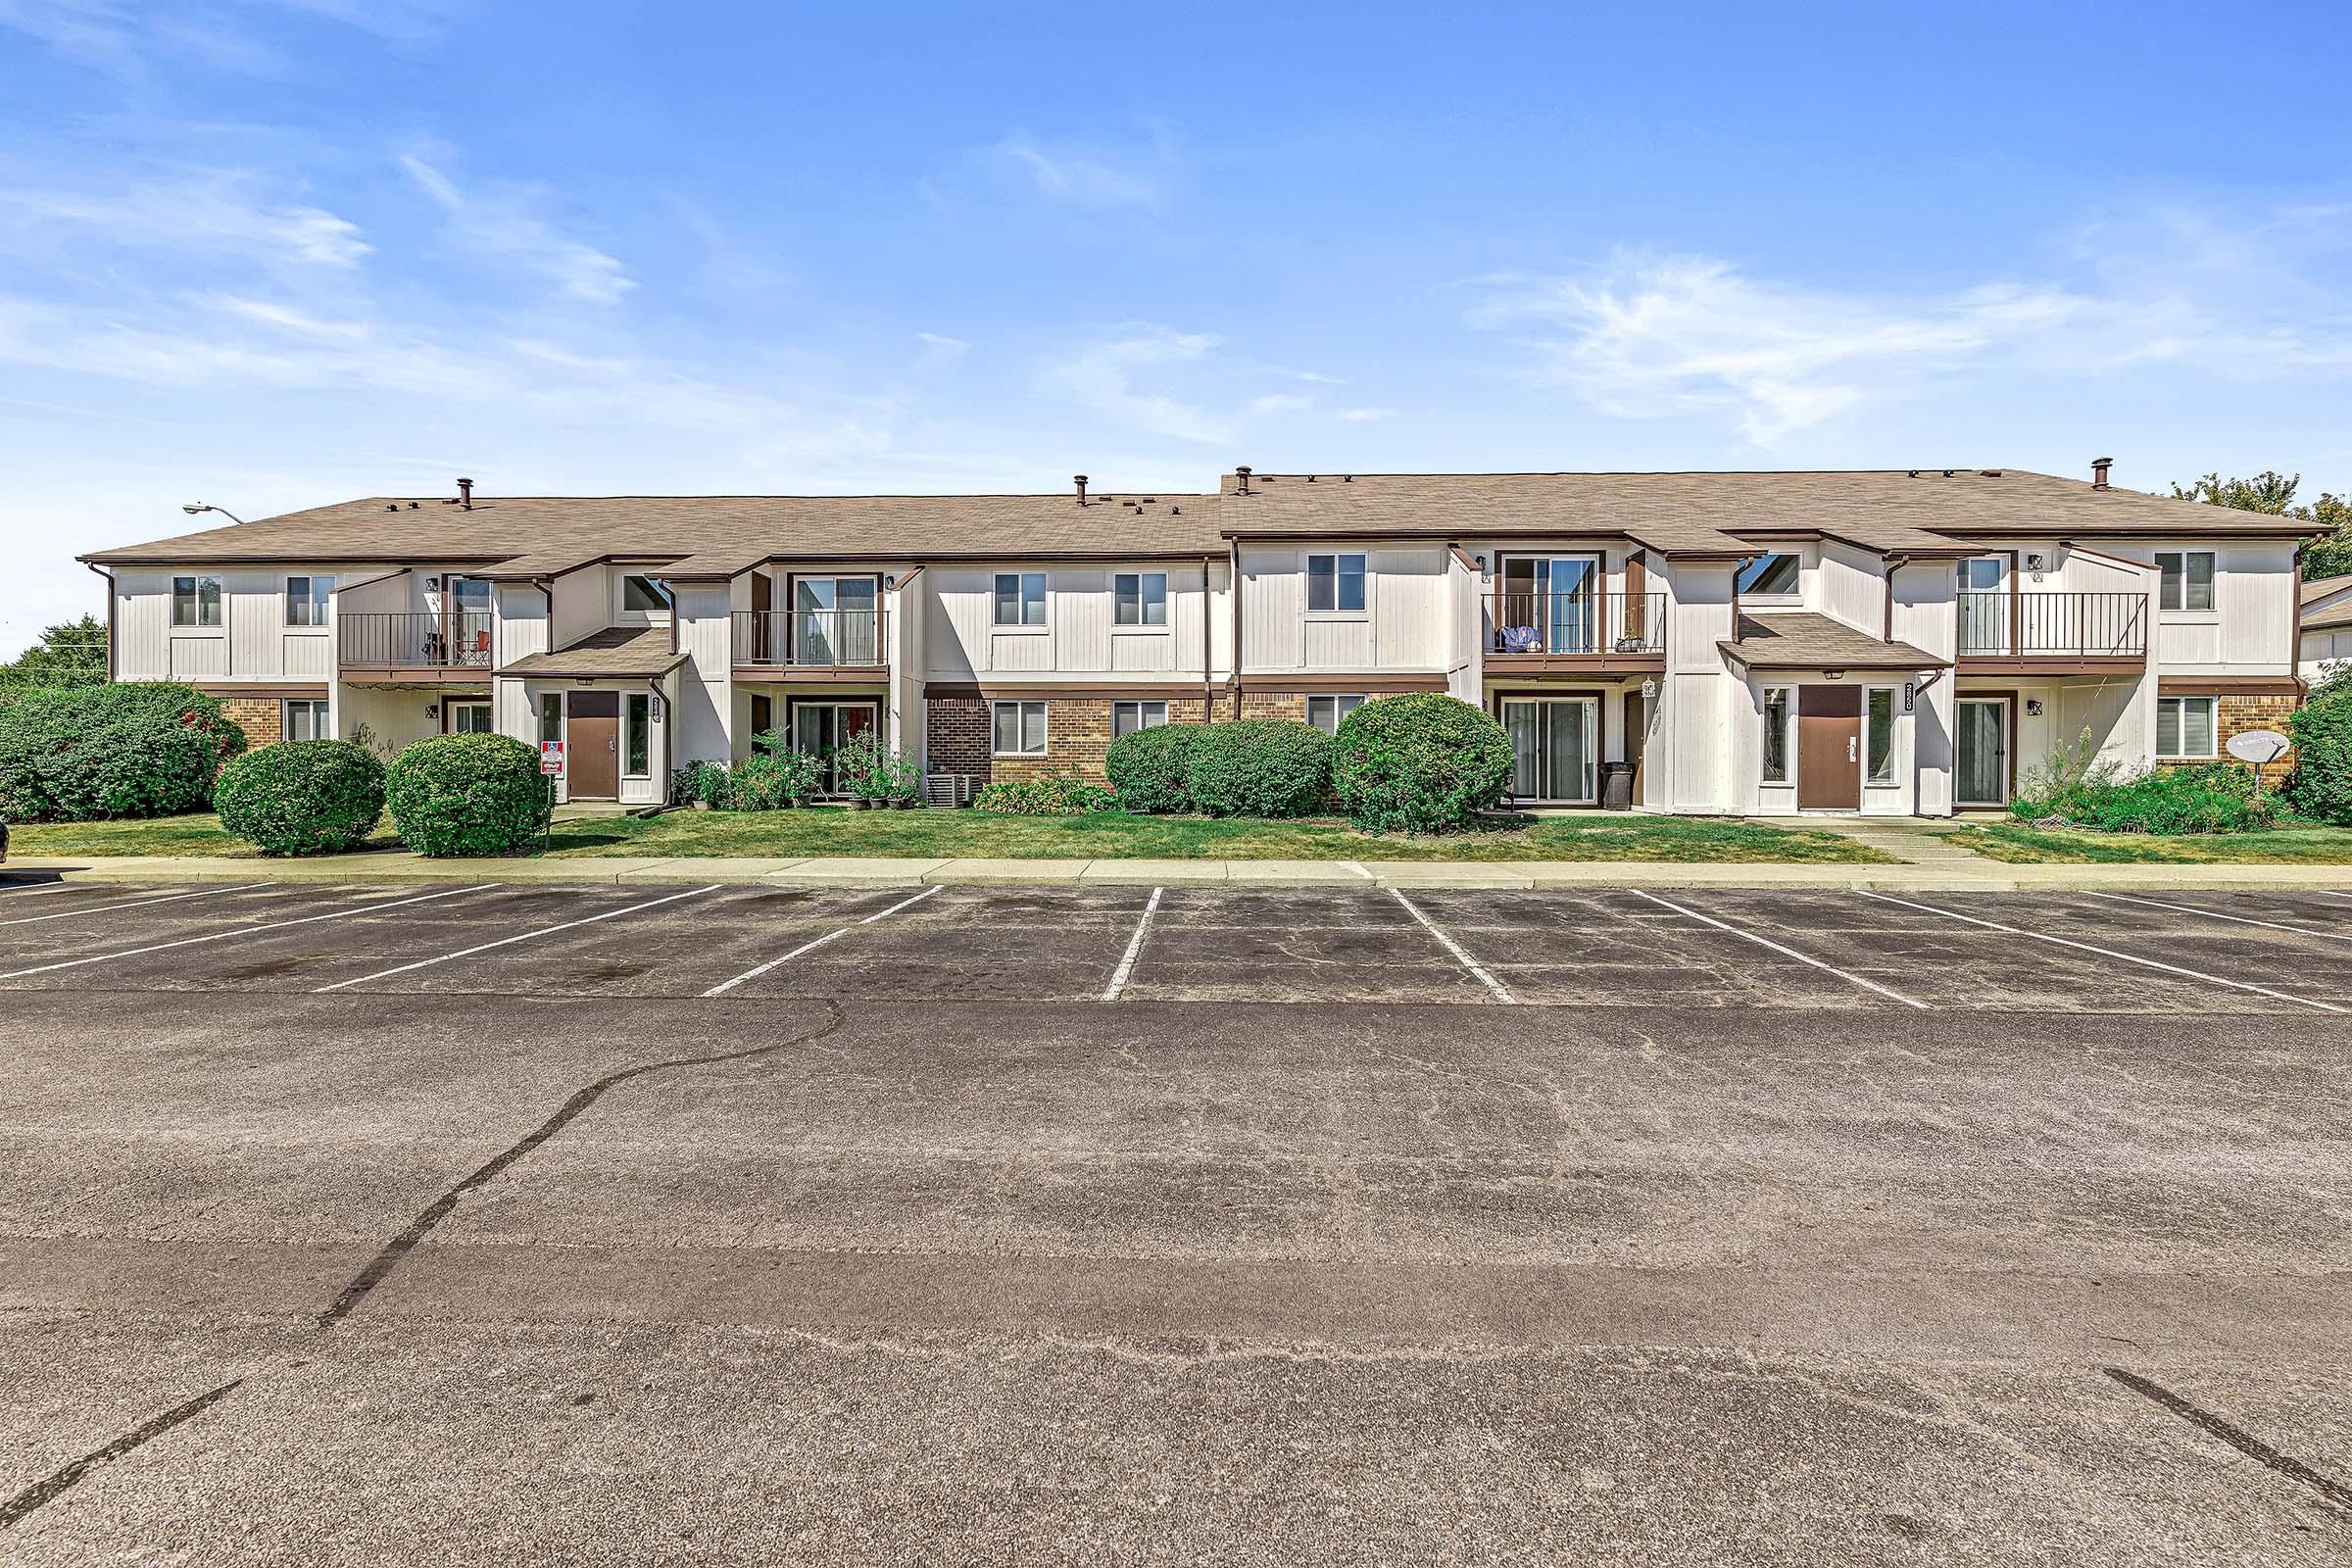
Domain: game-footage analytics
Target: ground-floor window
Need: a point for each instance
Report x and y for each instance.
(1776, 734)
(1555, 747)
(1877, 735)
(1017, 729)
(2184, 726)
(470, 719)
(1325, 712)
(1128, 718)
(305, 720)
(638, 730)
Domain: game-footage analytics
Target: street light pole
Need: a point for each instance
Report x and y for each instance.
(196, 508)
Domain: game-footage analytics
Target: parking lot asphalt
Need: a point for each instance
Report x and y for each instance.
(555, 1224)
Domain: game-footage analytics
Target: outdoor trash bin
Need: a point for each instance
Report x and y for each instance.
(1617, 786)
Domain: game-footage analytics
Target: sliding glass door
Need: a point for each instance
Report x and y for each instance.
(1555, 747)
(1550, 604)
(1982, 776)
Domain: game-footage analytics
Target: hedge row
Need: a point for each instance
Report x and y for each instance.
(91, 752)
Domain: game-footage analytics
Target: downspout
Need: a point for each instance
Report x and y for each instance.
(110, 618)
(1233, 591)
(1209, 673)
(1742, 565)
(1894, 563)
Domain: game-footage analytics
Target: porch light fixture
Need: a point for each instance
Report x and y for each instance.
(1832, 675)
(1649, 688)
(2033, 708)
(432, 709)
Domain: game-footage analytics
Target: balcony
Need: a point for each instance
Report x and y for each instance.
(415, 647)
(2053, 634)
(818, 643)
(1588, 632)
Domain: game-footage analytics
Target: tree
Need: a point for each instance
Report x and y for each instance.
(70, 654)
(2274, 494)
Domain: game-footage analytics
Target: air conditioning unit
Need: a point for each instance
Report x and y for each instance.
(947, 790)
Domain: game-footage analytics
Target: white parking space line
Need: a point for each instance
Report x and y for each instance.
(508, 942)
(725, 985)
(242, 931)
(134, 904)
(1785, 951)
(1502, 991)
(2216, 914)
(2108, 953)
(1135, 945)
(1358, 870)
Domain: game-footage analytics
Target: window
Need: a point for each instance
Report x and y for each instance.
(2187, 579)
(1325, 712)
(1877, 736)
(2184, 726)
(1020, 729)
(1128, 718)
(306, 600)
(551, 716)
(644, 594)
(1020, 599)
(1776, 734)
(1768, 577)
(763, 718)
(305, 720)
(195, 601)
(1140, 598)
(1335, 582)
(470, 719)
(640, 728)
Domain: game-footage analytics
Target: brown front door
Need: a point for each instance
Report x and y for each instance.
(1829, 748)
(593, 757)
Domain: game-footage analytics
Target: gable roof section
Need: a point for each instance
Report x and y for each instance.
(1799, 639)
(616, 653)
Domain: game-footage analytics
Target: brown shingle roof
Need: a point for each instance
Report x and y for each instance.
(1798, 639)
(2319, 588)
(616, 653)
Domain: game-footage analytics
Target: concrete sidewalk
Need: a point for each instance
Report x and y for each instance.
(1966, 872)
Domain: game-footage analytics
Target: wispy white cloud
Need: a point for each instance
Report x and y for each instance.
(939, 348)
(1366, 416)
(135, 41)
(502, 223)
(197, 211)
(1644, 337)
(1105, 376)
(1080, 179)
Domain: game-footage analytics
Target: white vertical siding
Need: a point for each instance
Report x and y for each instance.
(1853, 587)
(706, 636)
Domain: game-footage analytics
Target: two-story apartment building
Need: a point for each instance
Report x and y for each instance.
(1892, 642)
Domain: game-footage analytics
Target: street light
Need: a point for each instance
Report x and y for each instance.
(196, 508)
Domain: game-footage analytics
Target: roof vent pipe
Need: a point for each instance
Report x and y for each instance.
(1080, 480)
(1242, 474)
(465, 494)
(2098, 472)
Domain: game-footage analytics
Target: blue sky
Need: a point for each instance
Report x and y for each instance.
(271, 253)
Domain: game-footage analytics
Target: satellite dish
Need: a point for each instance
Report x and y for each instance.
(2259, 746)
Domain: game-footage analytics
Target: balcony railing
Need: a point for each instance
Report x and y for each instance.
(1564, 625)
(415, 640)
(808, 638)
(2080, 626)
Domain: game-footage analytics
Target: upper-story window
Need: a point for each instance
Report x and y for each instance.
(1020, 599)
(2187, 579)
(196, 601)
(643, 595)
(1140, 598)
(306, 600)
(1335, 582)
(1771, 577)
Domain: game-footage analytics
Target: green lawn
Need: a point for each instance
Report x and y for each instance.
(2301, 843)
(986, 834)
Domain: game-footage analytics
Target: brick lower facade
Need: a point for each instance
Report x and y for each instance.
(261, 718)
(2234, 715)
(1077, 736)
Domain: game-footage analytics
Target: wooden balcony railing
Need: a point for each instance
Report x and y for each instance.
(818, 639)
(2063, 625)
(1592, 625)
(415, 640)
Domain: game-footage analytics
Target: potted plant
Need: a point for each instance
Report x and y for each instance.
(861, 767)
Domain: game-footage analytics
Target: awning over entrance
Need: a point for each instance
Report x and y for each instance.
(618, 653)
(1799, 639)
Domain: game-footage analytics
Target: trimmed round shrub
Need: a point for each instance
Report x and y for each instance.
(465, 795)
(1151, 767)
(1418, 764)
(2321, 785)
(1257, 767)
(302, 797)
(130, 749)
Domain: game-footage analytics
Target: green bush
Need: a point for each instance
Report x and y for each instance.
(1418, 764)
(302, 797)
(1150, 769)
(131, 749)
(2206, 797)
(467, 795)
(2321, 785)
(770, 780)
(1257, 767)
(1047, 797)
(700, 780)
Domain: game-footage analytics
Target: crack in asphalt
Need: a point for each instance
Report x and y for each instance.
(2238, 1437)
(379, 1268)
